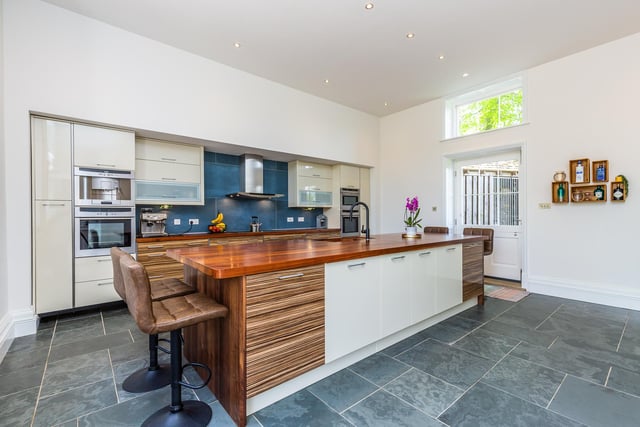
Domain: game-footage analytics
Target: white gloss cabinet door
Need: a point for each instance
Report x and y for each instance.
(52, 172)
(395, 292)
(97, 147)
(53, 257)
(351, 306)
(423, 292)
(449, 288)
(349, 176)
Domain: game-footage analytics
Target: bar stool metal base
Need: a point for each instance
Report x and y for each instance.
(146, 380)
(194, 413)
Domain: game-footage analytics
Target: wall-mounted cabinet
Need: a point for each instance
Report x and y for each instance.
(168, 172)
(349, 176)
(310, 185)
(106, 148)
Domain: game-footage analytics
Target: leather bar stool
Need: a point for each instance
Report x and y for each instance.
(436, 229)
(488, 242)
(156, 375)
(170, 315)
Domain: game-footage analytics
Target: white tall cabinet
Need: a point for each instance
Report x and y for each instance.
(52, 235)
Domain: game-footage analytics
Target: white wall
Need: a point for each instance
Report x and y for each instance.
(584, 105)
(61, 63)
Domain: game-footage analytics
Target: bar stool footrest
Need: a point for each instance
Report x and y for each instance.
(194, 413)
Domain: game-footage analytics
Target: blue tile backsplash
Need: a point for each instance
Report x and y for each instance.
(221, 177)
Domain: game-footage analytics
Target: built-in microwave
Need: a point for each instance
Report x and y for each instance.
(348, 197)
(103, 187)
(98, 229)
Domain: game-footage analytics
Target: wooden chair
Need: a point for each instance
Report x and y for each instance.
(156, 375)
(171, 315)
(436, 229)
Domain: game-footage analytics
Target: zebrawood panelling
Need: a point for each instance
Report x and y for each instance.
(285, 326)
(155, 260)
(472, 270)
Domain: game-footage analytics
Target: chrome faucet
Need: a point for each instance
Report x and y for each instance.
(366, 208)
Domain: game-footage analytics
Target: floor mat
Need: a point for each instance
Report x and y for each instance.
(508, 294)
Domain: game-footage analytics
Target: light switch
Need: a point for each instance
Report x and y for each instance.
(176, 221)
(289, 219)
(300, 219)
(544, 205)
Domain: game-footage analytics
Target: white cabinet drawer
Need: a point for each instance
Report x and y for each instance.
(151, 170)
(95, 292)
(148, 149)
(93, 268)
(315, 170)
(97, 147)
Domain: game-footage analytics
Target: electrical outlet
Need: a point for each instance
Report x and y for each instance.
(434, 208)
(544, 205)
(176, 221)
(289, 219)
(300, 219)
(194, 221)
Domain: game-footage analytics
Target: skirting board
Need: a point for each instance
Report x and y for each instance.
(15, 324)
(597, 293)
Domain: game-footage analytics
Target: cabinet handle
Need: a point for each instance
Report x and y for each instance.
(360, 264)
(451, 249)
(53, 204)
(424, 253)
(156, 277)
(104, 260)
(168, 159)
(105, 283)
(168, 179)
(104, 164)
(155, 255)
(195, 243)
(155, 246)
(290, 276)
(397, 258)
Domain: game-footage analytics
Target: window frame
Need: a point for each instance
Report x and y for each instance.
(451, 128)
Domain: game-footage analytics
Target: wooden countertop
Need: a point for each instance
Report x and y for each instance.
(231, 234)
(226, 261)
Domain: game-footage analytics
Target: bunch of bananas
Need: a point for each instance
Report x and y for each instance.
(217, 226)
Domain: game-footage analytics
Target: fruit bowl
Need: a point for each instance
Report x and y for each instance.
(215, 229)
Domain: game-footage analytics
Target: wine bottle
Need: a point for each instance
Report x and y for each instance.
(560, 193)
(579, 172)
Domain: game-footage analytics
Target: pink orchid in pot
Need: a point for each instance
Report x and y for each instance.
(412, 216)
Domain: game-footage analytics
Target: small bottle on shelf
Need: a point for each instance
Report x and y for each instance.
(579, 172)
(560, 193)
(600, 172)
(618, 193)
(598, 193)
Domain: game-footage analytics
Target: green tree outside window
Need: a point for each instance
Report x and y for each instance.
(499, 111)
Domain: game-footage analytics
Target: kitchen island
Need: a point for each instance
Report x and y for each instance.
(298, 306)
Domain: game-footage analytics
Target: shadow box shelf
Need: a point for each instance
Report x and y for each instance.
(588, 193)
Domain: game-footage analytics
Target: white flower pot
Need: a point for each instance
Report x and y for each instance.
(410, 231)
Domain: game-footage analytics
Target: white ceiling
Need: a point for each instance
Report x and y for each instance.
(365, 54)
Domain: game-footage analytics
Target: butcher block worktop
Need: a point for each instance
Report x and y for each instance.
(222, 262)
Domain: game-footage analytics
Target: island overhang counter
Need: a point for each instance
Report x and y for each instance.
(287, 315)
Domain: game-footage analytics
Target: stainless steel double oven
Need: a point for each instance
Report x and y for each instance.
(104, 211)
(349, 225)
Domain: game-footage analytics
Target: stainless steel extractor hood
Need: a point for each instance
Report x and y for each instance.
(252, 179)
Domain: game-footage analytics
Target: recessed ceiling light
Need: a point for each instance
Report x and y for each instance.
(465, 75)
(386, 104)
(326, 81)
(410, 35)
(441, 57)
(368, 6)
(236, 44)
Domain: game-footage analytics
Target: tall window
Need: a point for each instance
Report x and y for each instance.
(493, 107)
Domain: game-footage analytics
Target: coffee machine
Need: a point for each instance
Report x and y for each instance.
(153, 224)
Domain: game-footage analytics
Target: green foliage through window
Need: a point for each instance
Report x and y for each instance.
(500, 111)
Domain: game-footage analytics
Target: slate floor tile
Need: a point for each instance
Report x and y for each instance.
(485, 406)
(17, 409)
(404, 345)
(89, 345)
(20, 379)
(599, 333)
(300, 409)
(19, 360)
(595, 405)
(342, 389)
(426, 392)
(486, 344)
(130, 413)
(76, 371)
(79, 322)
(482, 313)
(448, 363)
(523, 334)
(72, 335)
(588, 310)
(623, 380)
(385, 410)
(526, 380)
(565, 359)
(40, 341)
(582, 345)
(379, 368)
(445, 333)
(72, 404)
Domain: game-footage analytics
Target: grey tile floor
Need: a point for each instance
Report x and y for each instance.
(543, 361)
